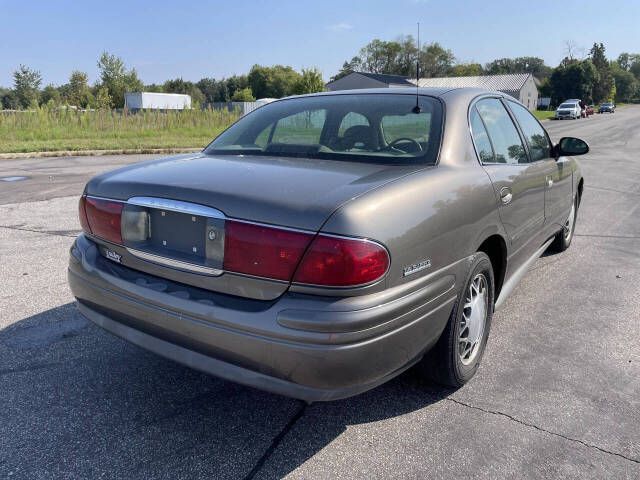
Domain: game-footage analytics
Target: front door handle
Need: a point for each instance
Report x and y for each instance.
(549, 181)
(505, 195)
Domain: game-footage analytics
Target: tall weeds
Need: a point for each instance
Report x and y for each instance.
(50, 129)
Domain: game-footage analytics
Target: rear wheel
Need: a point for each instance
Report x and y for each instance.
(455, 358)
(563, 238)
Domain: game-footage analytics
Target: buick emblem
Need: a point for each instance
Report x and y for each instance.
(212, 234)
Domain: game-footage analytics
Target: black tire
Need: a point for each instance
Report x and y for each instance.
(562, 241)
(442, 363)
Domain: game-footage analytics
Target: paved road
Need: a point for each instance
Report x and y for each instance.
(557, 395)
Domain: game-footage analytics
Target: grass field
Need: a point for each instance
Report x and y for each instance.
(45, 130)
(543, 114)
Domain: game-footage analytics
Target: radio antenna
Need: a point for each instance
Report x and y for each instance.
(417, 109)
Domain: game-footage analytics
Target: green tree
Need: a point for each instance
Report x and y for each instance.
(533, 65)
(347, 68)
(153, 87)
(50, 93)
(573, 80)
(78, 92)
(243, 95)
(117, 79)
(209, 89)
(103, 99)
(467, 70)
(435, 60)
(271, 82)
(26, 83)
(10, 100)
(603, 87)
(310, 81)
(626, 85)
(236, 82)
(179, 85)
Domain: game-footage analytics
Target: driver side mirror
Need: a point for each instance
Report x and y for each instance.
(570, 146)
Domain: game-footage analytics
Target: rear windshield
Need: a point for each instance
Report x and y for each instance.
(373, 128)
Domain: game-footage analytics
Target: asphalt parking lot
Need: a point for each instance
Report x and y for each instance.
(557, 396)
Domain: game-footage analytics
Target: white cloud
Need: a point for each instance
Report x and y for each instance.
(340, 27)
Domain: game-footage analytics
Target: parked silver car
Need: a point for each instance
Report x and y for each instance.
(569, 109)
(323, 244)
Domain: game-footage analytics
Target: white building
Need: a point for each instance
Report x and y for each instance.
(156, 101)
(522, 86)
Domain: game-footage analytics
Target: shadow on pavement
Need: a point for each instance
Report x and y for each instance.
(78, 402)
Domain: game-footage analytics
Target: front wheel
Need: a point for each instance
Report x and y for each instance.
(563, 238)
(455, 358)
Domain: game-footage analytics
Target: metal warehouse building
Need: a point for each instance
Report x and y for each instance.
(522, 86)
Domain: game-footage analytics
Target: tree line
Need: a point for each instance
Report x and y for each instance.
(115, 80)
(593, 78)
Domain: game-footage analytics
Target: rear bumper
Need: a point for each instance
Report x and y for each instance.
(303, 346)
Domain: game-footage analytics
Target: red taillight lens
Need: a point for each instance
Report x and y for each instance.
(337, 261)
(263, 251)
(82, 213)
(103, 218)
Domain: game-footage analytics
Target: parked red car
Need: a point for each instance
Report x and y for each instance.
(589, 110)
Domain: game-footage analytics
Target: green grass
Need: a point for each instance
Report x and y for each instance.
(48, 130)
(543, 114)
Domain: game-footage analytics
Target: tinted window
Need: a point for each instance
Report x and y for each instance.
(352, 119)
(480, 138)
(302, 128)
(503, 133)
(534, 134)
(380, 128)
(414, 127)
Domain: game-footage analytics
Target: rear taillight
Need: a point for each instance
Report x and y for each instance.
(342, 262)
(82, 214)
(263, 251)
(103, 218)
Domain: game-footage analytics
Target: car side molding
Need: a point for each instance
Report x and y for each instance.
(515, 278)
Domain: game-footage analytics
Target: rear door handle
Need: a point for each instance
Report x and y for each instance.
(505, 195)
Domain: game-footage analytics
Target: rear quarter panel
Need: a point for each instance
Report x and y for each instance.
(442, 213)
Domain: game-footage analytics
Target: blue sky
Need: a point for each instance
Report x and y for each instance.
(163, 39)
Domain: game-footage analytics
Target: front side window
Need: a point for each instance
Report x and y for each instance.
(504, 136)
(378, 128)
(534, 134)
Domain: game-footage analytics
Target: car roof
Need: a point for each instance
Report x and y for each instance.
(430, 91)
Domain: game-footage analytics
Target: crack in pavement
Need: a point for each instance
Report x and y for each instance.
(60, 233)
(605, 236)
(531, 425)
(612, 190)
(28, 368)
(276, 441)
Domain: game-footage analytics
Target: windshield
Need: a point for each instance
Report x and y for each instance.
(375, 128)
(567, 105)
(606, 105)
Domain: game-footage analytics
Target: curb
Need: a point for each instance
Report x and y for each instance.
(85, 153)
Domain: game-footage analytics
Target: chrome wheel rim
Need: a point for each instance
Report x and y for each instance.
(474, 319)
(568, 226)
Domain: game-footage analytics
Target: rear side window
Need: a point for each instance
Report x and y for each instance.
(481, 139)
(534, 134)
(504, 136)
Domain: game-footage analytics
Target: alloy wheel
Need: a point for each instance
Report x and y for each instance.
(568, 226)
(474, 319)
